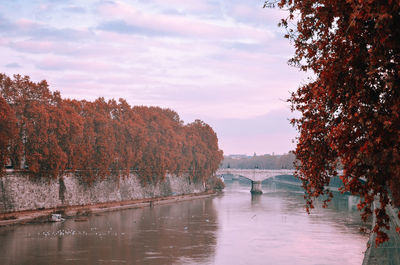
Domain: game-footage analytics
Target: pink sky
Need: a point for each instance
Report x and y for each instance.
(224, 62)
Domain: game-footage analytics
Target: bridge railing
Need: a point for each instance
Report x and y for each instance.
(255, 174)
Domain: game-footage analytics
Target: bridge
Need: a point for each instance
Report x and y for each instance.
(255, 175)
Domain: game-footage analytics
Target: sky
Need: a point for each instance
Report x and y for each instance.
(221, 61)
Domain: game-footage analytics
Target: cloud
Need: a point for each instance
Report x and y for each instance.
(13, 65)
(183, 25)
(221, 61)
(29, 28)
(190, 6)
(59, 34)
(246, 46)
(120, 26)
(30, 46)
(57, 63)
(75, 9)
(5, 24)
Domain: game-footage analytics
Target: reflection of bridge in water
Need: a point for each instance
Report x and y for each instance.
(255, 175)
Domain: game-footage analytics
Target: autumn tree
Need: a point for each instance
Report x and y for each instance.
(48, 136)
(202, 149)
(69, 124)
(159, 155)
(7, 132)
(351, 109)
(95, 153)
(37, 141)
(130, 137)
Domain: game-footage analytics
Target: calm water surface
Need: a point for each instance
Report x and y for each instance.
(234, 228)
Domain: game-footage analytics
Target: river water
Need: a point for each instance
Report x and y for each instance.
(232, 228)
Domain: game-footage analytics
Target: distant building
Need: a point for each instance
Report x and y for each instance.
(238, 156)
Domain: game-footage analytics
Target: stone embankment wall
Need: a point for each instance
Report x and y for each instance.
(19, 193)
(387, 253)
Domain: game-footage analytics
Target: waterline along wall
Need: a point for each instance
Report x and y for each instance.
(388, 252)
(19, 193)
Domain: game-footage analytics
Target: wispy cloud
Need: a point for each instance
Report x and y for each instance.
(75, 9)
(120, 26)
(13, 65)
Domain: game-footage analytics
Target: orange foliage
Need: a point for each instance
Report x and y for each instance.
(351, 111)
(7, 131)
(100, 139)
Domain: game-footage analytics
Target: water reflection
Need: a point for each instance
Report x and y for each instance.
(255, 198)
(168, 234)
(275, 229)
(340, 202)
(234, 228)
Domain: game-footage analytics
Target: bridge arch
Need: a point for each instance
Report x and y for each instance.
(256, 176)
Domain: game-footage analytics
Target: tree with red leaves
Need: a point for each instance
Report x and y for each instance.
(202, 150)
(161, 150)
(351, 109)
(37, 140)
(48, 136)
(8, 129)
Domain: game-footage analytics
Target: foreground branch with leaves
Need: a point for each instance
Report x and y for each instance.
(351, 111)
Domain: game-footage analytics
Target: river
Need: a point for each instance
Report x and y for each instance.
(232, 228)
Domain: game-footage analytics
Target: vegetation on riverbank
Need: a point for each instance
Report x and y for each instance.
(47, 135)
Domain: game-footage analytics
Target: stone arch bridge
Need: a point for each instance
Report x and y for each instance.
(255, 175)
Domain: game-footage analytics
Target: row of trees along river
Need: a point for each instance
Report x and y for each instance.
(52, 135)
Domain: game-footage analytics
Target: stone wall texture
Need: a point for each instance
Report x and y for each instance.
(387, 253)
(19, 193)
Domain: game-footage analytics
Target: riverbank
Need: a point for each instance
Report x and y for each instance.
(232, 228)
(23, 199)
(387, 253)
(83, 210)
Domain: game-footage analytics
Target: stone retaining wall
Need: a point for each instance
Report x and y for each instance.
(387, 253)
(19, 193)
